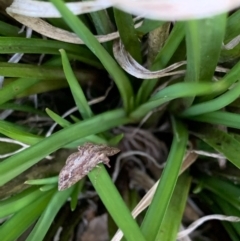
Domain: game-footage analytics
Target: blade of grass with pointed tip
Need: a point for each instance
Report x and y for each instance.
(58, 119)
(76, 89)
(46, 188)
(64, 123)
(108, 62)
(14, 165)
(43, 181)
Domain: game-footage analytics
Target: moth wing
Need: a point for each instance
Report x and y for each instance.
(68, 176)
(73, 157)
(104, 159)
(85, 147)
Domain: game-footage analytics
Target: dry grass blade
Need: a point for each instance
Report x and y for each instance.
(131, 66)
(232, 44)
(200, 221)
(46, 29)
(8, 140)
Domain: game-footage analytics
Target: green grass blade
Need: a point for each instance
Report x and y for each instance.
(208, 198)
(58, 119)
(202, 52)
(48, 215)
(76, 89)
(13, 166)
(220, 141)
(172, 220)
(148, 25)
(232, 29)
(128, 34)
(75, 194)
(48, 187)
(215, 104)
(103, 25)
(228, 209)
(114, 204)
(20, 221)
(108, 62)
(16, 87)
(9, 30)
(23, 108)
(153, 220)
(11, 45)
(31, 71)
(17, 133)
(220, 118)
(65, 123)
(43, 181)
(226, 190)
(45, 85)
(19, 201)
(231, 77)
(164, 56)
(211, 28)
(193, 50)
(172, 92)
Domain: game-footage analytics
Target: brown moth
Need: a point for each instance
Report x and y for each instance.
(80, 163)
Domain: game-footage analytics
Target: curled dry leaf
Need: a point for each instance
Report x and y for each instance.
(80, 163)
(131, 66)
(48, 30)
(200, 221)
